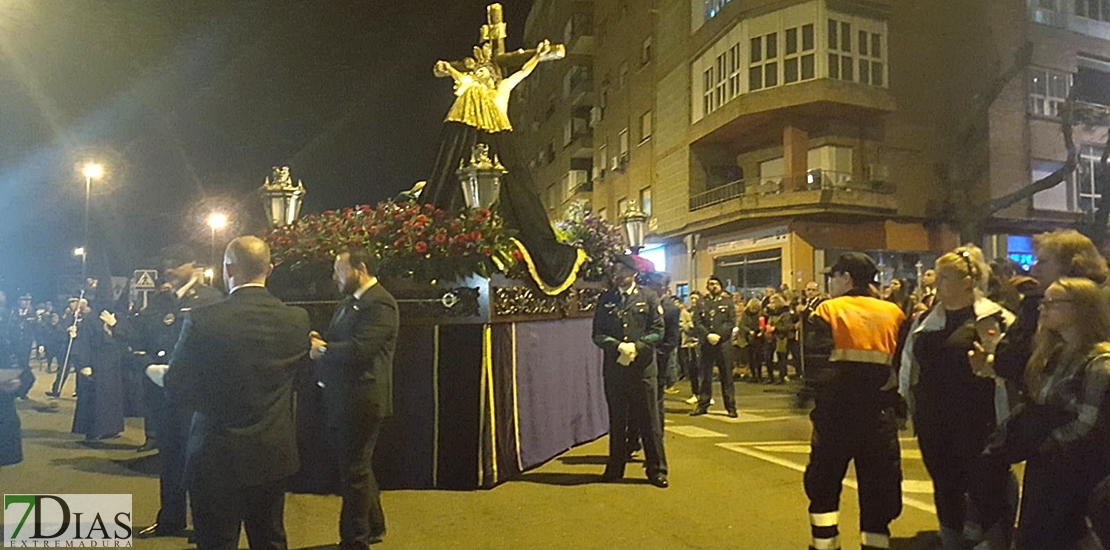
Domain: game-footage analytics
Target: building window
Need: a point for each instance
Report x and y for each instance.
(622, 206)
(603, 158)
(1088, 169)
(624, 144)
(1091, 9)
(798, 55)
(1048, 90)
(856, 56)
(714, 7)
(622, 76)
(645, 200)
(734, 71)
(763, 68)
(719, 97)
(646, 52)
(550, 152)
(645, 126)
(707, 100)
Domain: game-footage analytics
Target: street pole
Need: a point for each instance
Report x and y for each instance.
(85, 253)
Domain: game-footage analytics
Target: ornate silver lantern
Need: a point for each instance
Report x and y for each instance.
(481, 178)
(634, 223)
(281, 199)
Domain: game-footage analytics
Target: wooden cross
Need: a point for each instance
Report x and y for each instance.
(494, 33)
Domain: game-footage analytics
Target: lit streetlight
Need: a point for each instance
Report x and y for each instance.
(79, 251)
(217, 221)
(91, 171)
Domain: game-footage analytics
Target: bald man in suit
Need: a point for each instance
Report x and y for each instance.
(234, 367)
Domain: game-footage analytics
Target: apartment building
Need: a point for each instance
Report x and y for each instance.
(551, 109)
(768, 136)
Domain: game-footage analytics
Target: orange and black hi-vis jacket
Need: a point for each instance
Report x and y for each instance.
(850, 342)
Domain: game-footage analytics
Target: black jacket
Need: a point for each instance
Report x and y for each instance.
(637, 319)
(715, 316)
(234, 367)
(357, 368)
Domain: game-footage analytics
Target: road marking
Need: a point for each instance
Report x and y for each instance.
(744, 449)
(694, 431)
(745, 418)
(913, 454)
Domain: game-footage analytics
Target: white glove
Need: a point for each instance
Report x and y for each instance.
(713, 339)
(157, 374)
(108, 318)
(627, 353)
(87, 371)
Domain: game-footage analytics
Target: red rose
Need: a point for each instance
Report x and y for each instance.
(518, 255)
(421, 247)
(475, 235)
(441, 238)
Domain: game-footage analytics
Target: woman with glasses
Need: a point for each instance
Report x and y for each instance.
(1069, 371)
(954, 409)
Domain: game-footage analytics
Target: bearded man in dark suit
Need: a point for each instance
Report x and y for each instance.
(234, 367)
(355, 368)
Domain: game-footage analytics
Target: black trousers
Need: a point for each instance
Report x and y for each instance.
(221, 506)
(688, 358)
(870, 438)
(960, 472)
(630, 393)
(715, 356)
(361, 519)
(661, 384)
(755, 358)
(1055, 491)
(171, 480)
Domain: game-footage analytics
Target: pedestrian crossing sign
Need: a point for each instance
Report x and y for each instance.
(144, 279)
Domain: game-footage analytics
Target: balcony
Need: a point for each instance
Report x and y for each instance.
(816, 99)
(823, 190)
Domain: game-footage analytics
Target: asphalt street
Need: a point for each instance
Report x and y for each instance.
(735, 484)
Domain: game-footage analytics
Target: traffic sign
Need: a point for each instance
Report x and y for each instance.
(145, 279)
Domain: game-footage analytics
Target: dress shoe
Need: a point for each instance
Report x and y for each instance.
(732, 414)
(659, 480)
(699, 411)
(611, 475)
(156, 530)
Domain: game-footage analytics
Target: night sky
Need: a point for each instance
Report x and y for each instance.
(189, 104)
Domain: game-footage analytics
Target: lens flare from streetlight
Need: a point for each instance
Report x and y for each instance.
(217, 220)
(93, 171)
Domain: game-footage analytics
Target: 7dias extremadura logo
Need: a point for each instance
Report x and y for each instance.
(67, 521)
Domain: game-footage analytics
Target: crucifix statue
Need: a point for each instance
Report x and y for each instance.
(480, 116)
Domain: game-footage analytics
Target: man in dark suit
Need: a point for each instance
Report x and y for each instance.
(188, 293)
(355, 368)
(234, 367)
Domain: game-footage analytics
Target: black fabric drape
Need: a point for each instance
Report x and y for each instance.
(518, 203)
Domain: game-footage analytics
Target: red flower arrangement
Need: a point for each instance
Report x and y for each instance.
(412, 240)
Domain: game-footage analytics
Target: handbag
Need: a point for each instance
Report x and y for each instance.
(1020, 436)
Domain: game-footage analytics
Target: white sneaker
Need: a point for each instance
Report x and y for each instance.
(692, 400)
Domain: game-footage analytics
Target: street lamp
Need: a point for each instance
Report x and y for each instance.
(217, 221)
(634, 222)
(281, 198)
(79, 251)
(481, 177)
(91, 171)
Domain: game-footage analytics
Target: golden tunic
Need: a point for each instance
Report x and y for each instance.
(476, 105)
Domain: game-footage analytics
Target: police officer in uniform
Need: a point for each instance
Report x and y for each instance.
(850, 341)
(188, 292)
(715, 320)
(628, 323)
